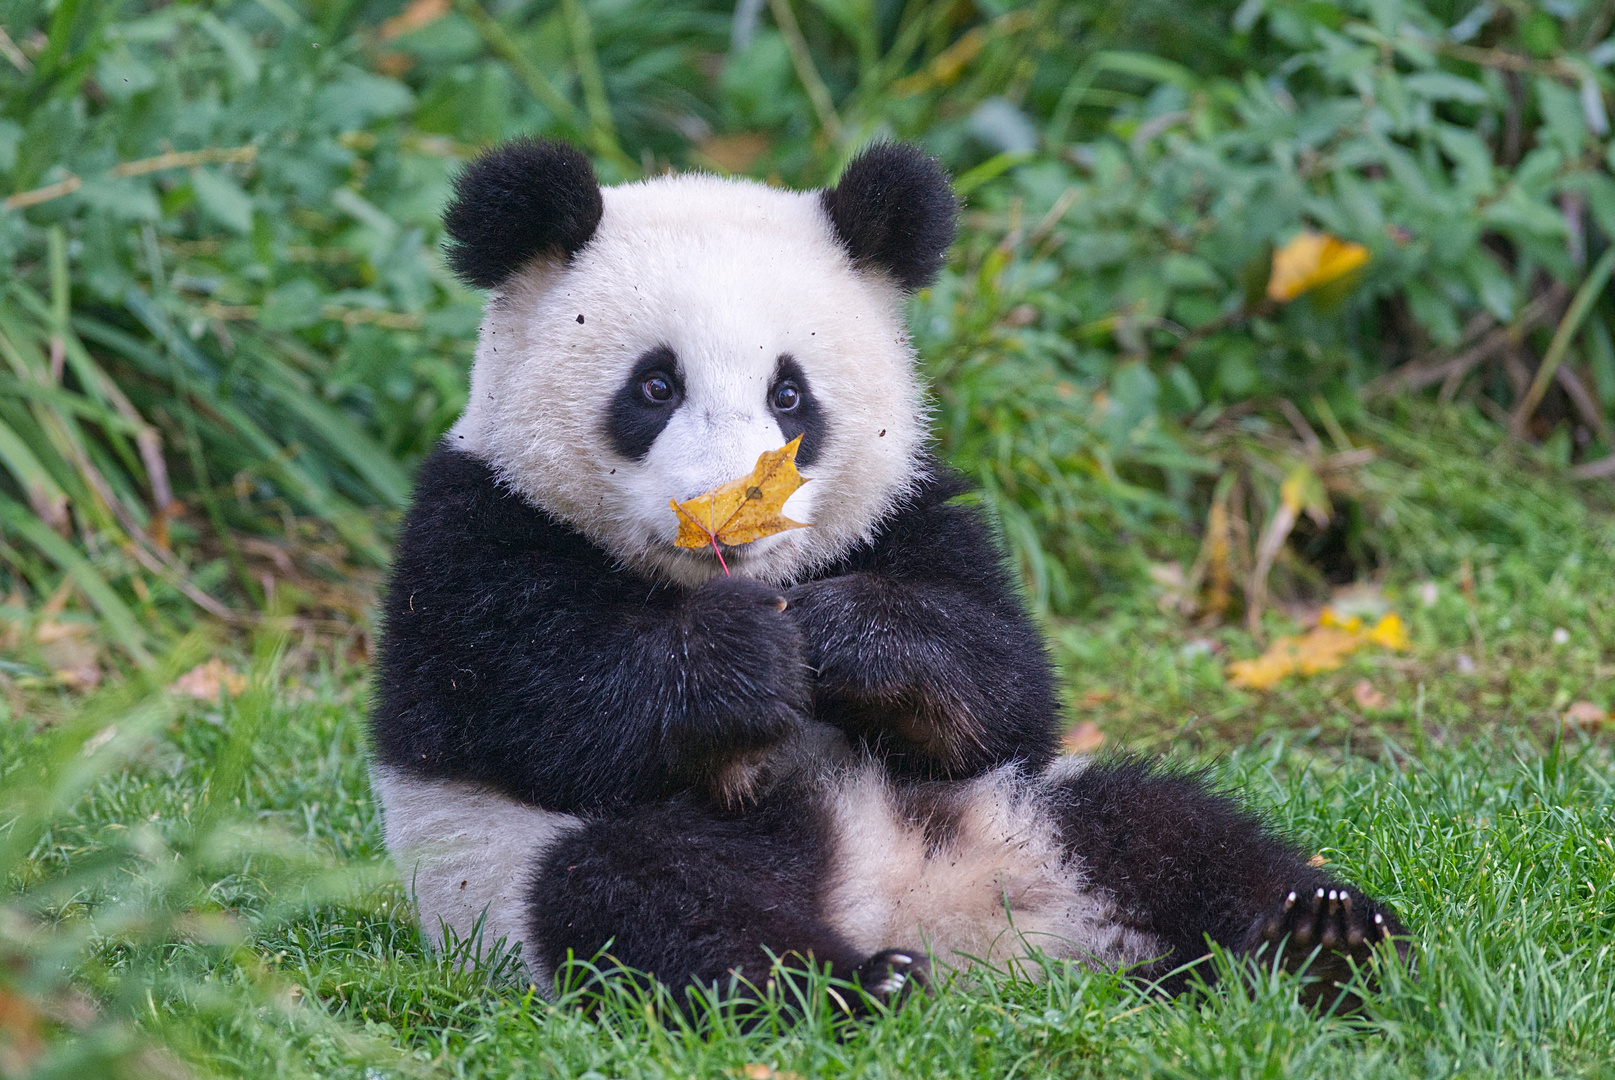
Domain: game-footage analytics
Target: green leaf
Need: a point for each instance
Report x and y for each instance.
(1445, 86)
(223, 199)
(10, 136)
(1561, 110)
(235, 44)
(1495, 288)
(1435, 313)
(292, 306)
(122, 74)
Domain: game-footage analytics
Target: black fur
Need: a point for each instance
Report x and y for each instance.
(520, 200)
(517, 655)
(633, 421)
(688, 892)
(894, 209)
(923, 648)
(807, 419)
(1186, 863)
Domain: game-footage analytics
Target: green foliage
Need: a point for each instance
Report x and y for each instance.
(136, 880)
(224, 314)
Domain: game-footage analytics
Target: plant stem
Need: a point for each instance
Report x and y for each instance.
(1569, 326)
(806, 70)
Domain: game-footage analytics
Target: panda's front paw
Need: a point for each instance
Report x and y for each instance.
(1327, 929)
(744, 617)
(741, 660)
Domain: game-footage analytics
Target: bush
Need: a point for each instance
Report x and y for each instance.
(230, 333)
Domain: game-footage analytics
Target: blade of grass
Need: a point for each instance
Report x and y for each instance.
(121, 622)
(807, 71)
(1591, 289)
(603, 131)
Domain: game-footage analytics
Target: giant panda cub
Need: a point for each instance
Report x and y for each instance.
(841, 747)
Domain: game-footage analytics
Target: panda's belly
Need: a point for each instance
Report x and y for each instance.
(974, 873)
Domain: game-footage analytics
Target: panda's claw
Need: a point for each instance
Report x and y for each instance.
(889, 974)
(1326, 931)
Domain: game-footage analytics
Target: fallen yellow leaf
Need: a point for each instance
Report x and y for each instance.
(746, 509)
(1390, 633)
(1310, 260)
(1323, 648)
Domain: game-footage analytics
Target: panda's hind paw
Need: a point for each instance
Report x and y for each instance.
(1327, 929)
(893, 973)
(1336, 919)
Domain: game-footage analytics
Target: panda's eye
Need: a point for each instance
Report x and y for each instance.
(787, 395)
(656, 388)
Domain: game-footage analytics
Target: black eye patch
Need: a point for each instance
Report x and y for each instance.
(645, 402)
(799, 413)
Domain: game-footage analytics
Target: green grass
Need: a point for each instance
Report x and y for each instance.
(1501, 857)
(212, 879)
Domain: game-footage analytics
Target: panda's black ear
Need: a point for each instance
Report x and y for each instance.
(893, 208)
(517, 201)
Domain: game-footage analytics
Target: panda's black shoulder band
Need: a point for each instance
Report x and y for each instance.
(520, 200)
(894, 209)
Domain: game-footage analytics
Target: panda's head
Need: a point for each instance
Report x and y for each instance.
(647, 342)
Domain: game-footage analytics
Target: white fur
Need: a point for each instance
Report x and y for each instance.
(999, 886)
(729, 274)
(467, 854)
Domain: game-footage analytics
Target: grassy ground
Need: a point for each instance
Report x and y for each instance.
(156, 869)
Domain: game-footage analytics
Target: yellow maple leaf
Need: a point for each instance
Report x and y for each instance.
(1323, 648)
(745, 509)
(1310, 260)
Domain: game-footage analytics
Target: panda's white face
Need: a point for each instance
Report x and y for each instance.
(705, 322)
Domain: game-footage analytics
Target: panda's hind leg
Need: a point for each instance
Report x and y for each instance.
(691, 893)
(1186, 863)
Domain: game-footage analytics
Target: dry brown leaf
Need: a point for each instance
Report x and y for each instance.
(1586, 714)
(1085, 738)
(1317, 860)
(756, 1070)
(21, 1041)
(733, 153)
(743, 510)
(1172, 583)
(71, 652)
(100, 739)
(205, 681)
(1366, 696)
(1323, 648)
(419, 14)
